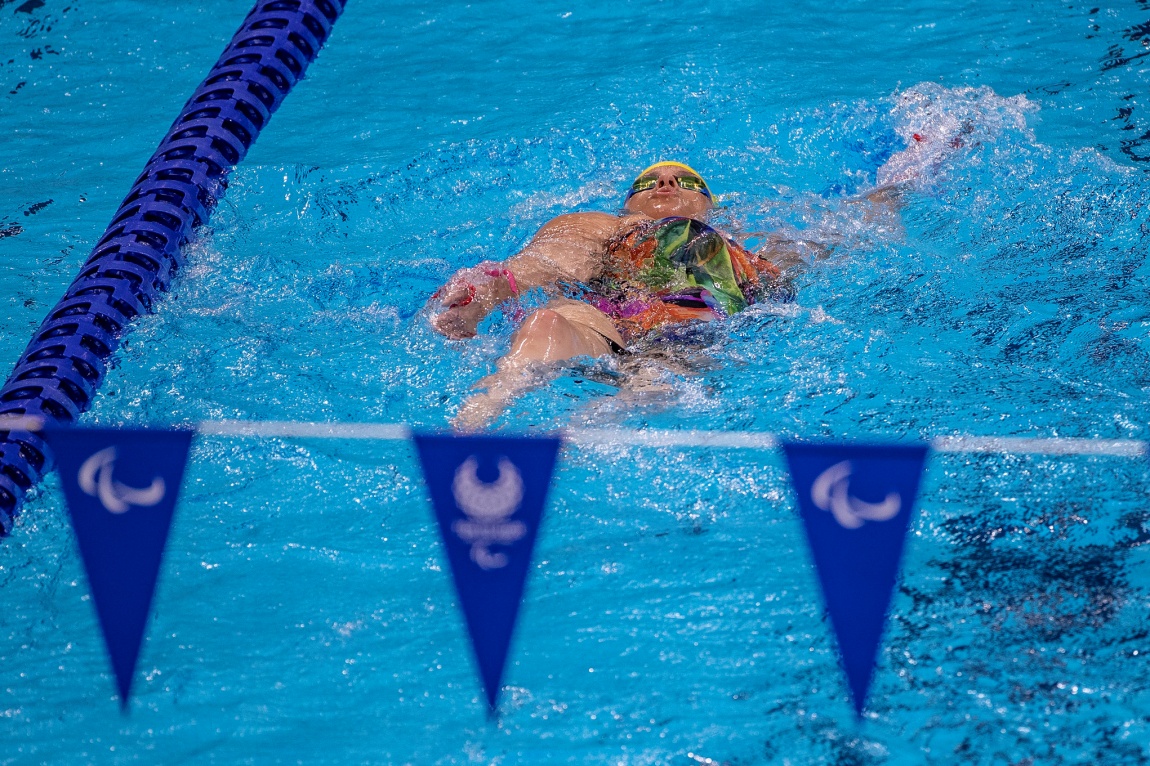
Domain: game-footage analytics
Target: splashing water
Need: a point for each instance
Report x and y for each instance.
(303, 601)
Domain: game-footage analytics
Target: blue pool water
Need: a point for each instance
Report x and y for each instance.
(303, 614)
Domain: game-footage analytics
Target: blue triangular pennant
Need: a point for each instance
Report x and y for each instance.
(856, 503)
(488, 493)
(121, 486)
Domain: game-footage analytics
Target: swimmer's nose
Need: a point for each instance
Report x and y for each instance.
(667, 184)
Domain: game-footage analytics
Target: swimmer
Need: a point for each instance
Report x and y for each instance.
(614, 279)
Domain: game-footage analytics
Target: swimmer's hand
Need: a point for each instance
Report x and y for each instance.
(469, 296)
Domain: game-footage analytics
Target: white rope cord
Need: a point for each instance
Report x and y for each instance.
(1051, 446)
(645, 438)
(664, 438)
(290, 429)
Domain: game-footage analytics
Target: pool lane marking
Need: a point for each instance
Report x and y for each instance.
(646, 438)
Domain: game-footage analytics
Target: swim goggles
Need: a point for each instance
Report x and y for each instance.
(691, 180)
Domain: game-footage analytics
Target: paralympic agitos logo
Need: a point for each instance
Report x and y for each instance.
(831, 492)
(96, 479)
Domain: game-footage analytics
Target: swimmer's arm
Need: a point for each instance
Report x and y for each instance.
(792, 255)
(569, 248)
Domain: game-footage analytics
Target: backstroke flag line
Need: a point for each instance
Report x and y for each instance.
(856, 503)
(121, 487)
(488, 494)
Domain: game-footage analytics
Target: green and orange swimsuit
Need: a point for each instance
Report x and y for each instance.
(675, 270)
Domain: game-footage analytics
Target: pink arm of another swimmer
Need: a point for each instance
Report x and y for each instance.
(567, 248)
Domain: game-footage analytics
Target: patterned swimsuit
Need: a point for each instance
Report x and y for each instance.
(676, 270)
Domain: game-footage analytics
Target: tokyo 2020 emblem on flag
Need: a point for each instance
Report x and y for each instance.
(488, 494)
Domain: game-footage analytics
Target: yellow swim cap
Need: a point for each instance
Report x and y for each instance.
(686, 167)
(703, 184)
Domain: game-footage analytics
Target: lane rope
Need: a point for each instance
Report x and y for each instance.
(134, 263)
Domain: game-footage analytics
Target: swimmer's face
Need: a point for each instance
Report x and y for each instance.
(667, 196)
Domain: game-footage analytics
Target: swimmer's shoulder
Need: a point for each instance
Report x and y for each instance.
(591, 226)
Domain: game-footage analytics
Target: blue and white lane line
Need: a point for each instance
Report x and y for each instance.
(644, 438)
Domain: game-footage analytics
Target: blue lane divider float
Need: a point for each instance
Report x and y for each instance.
(136, 259)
